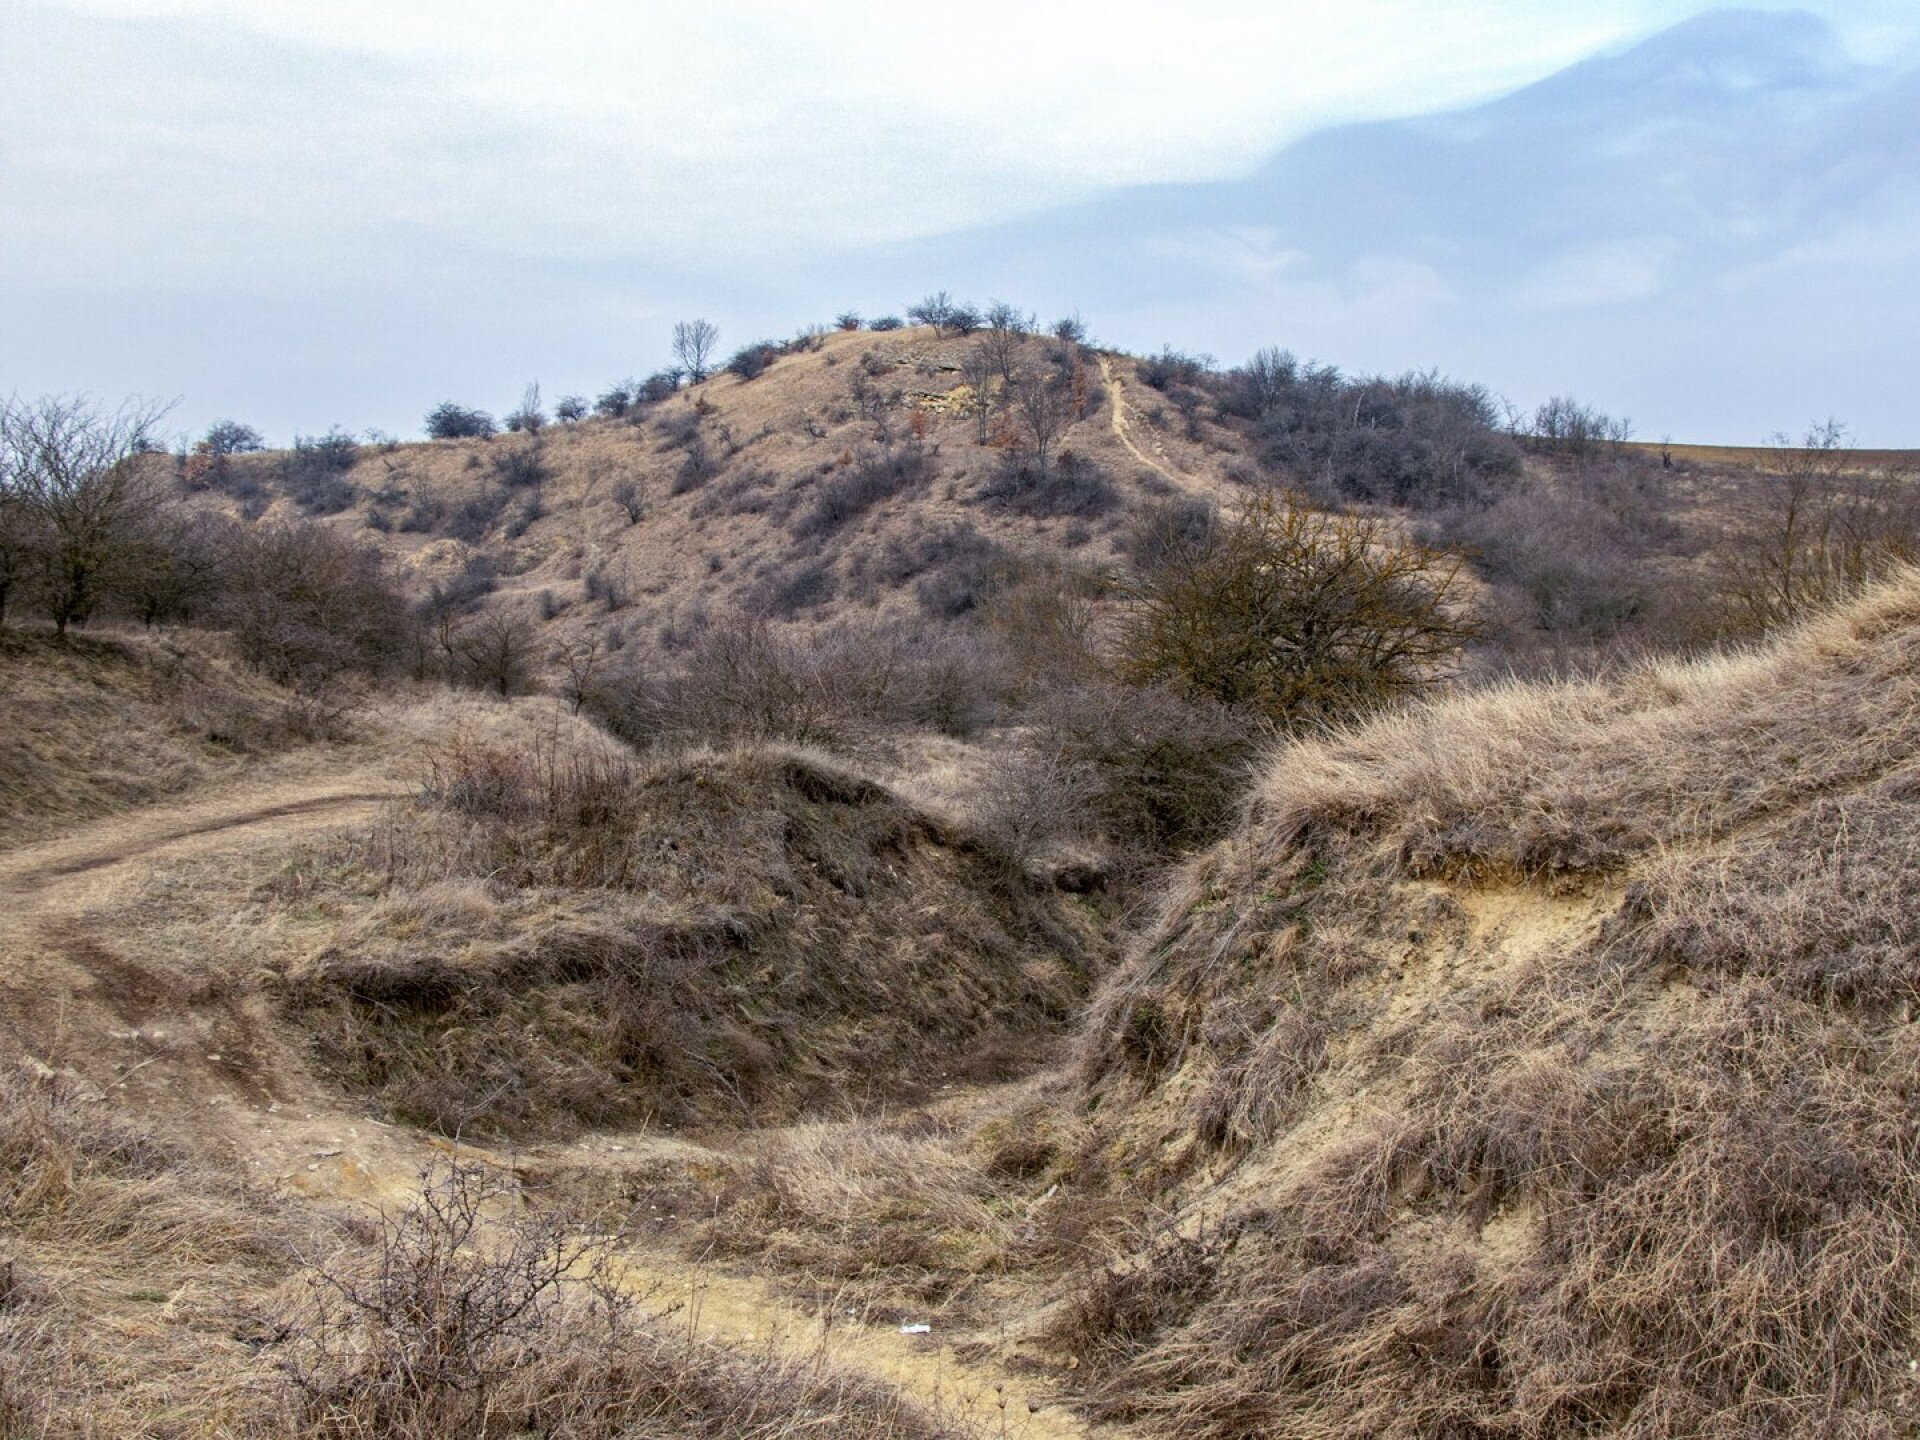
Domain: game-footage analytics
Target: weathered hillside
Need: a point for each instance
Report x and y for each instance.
(842, 480)
(1542, 1062)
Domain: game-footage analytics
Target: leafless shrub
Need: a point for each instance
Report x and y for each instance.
(1418, 440)
(520, 466)
(1160, 773)
(631, 497)
(490, 651)
(1298, 614)
(1076, 485)
(463, 1323)
(876, 474)
(1816, 527)
(307, 607)
(438, 1333)
(785, 592)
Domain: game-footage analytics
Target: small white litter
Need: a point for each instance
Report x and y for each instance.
(920, 1329)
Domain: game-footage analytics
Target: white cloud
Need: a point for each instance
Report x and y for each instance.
(535, 176)
(588, 128)
(1597, 275)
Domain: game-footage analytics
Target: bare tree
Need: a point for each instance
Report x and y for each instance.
(20, 542)
(76, 470)
(1042, 401)
(693, 346)
(582, 661)
(631, 496)
(1819, 525)
(491, 652)
(531, 415)
(1006, 328)
(977, 368)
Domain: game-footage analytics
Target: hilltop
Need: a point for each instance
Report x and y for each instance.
(849, 477)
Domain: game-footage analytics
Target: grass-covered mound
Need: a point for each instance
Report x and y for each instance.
(1539, 1063)
(99, 723)
(566, 934)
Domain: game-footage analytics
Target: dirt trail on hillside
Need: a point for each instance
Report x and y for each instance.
(66, 899)
(1123, 432)
(64, 875)
(747, 1312)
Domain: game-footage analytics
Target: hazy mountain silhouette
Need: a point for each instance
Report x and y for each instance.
(1671, 231)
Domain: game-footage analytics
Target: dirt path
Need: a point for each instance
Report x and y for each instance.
(296, 1138)
(1123, 432)
(744, 1311)
(73, 873)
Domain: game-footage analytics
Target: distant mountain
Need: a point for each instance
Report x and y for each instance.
(1714, 231)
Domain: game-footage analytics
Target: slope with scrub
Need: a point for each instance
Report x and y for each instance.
(1541, 1062)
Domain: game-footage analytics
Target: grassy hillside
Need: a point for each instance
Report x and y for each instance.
(844, 479)
(109, 722)
(1539, 1062)
(572, 937)
(817, 905)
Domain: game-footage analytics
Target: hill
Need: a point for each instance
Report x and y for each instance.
(894, 481)
(847, 477)
(1539, 1062)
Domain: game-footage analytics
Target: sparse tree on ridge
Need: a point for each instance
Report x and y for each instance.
(693, 347)
(230, 437)
(452, 421)
(935, 310)
(530, 416)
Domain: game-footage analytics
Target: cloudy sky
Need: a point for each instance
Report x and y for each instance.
(341, 211)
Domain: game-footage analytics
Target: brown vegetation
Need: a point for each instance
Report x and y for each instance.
(106, 722)
(574, 936)
(1540, 1062)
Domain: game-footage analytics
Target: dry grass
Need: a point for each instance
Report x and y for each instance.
(104, 722)
(1564, 783)
(1761, 457)
(943, 1213)
(568, 935)
(465, 1319)
(627, 537)
(143, 1294)
(1538, 1063)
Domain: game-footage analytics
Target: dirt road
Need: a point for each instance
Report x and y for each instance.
(64, 875)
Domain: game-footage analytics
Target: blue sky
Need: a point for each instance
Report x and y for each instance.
(343, 211)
